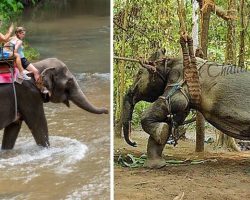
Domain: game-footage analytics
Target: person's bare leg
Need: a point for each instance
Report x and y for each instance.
(34, 70)
(20, 67)
(19, 63)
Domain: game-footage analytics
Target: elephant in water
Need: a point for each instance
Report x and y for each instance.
(62, 87)
(221, 88)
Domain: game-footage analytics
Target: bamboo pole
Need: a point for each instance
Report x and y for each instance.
(126, 59)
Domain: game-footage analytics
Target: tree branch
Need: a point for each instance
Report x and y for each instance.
(145, 64)
(220, 12)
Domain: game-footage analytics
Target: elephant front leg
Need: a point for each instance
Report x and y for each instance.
(41, 137)
(39, 131)
(10, 134)
(37, 123)
(154, 123)
(154, 154)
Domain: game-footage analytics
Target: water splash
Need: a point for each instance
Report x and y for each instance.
(29, 158)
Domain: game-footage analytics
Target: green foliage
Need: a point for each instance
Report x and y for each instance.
(9, 9)
(34, 2)
(138, 110)
(31, 53)
(148, 23)
(133, 161)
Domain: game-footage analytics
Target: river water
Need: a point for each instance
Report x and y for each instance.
(76, 166)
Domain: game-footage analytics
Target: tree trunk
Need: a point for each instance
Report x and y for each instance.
(230, 58)
(205, 20)
(242, 34)
(200, 120)
(182, 15)
(195, 29)
(118, 123)
(231, 34)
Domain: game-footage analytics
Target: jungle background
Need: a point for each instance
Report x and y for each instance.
(142, 27)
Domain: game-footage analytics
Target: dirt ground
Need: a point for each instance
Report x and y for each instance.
(224, 176)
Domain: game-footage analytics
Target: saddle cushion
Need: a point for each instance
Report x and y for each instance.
(5, 75)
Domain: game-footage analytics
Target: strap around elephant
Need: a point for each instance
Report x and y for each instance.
(174, 89)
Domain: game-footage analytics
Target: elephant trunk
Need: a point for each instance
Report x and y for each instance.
(77, 97)
(128, 107)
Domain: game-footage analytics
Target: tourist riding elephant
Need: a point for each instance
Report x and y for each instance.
(62, 87)
(221, 87)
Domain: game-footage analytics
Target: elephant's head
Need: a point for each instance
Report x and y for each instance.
(146, 87)
(63, 86)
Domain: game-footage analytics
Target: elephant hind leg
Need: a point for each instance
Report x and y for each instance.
(10, 134)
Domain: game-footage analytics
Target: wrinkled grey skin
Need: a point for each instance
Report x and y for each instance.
(146, 87)
(155, 120)
(225, 103)
(63, 88)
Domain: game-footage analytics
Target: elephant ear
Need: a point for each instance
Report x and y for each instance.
(46, 79)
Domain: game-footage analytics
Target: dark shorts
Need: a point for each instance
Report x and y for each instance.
(25, 63)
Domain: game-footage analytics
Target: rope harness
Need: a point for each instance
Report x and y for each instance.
(175, 87)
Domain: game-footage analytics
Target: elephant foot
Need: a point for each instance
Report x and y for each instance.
(154, 154)
(155, 163)
(161, 134)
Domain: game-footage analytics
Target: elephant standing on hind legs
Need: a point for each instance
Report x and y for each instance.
(62, 87)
